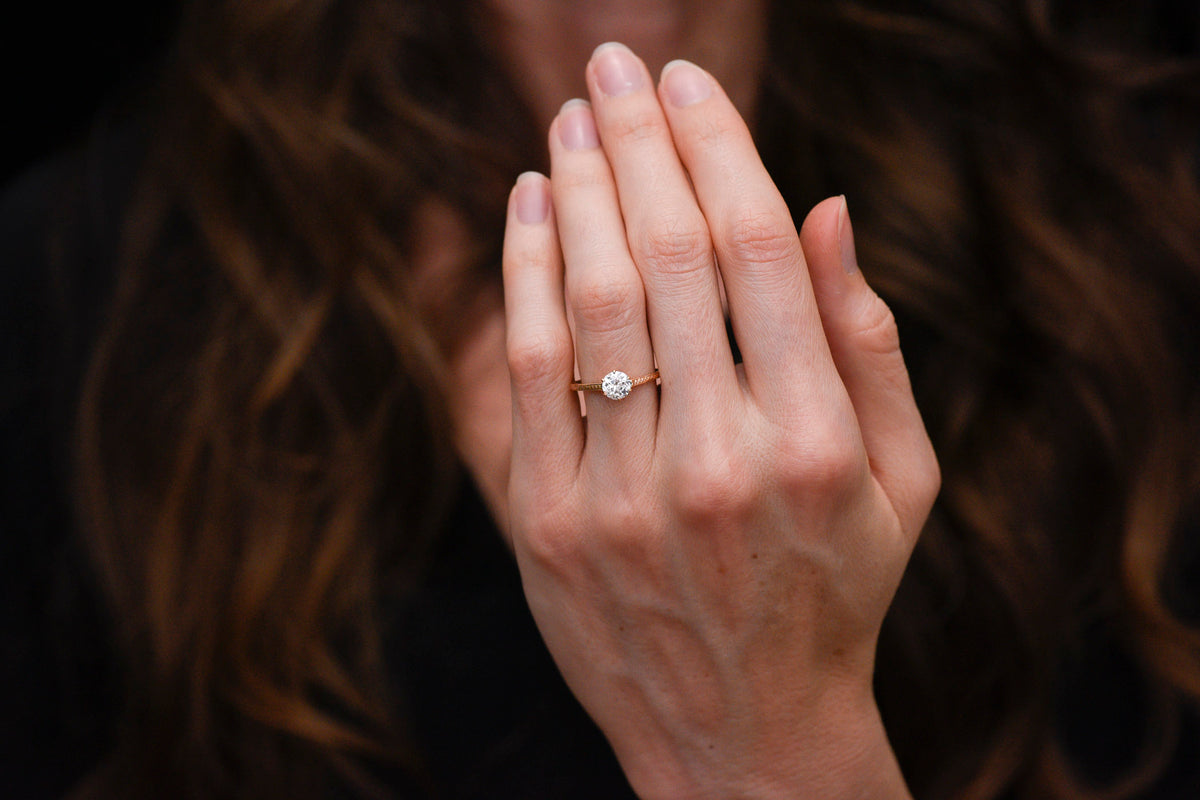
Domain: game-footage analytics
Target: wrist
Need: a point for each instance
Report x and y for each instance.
(840, 753)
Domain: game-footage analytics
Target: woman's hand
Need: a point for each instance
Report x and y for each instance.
(710, 563)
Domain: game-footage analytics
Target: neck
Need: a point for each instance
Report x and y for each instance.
(547, 43)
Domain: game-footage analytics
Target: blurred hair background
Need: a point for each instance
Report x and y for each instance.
(64, 62)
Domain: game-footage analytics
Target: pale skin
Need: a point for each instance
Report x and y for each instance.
(547, 45)
(709, 564)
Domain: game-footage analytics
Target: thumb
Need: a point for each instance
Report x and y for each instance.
(865, 345)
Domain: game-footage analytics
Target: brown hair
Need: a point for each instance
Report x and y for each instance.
(261, 414)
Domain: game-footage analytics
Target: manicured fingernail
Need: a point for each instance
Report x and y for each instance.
(686, 83)
(846, 239)
(532, 198)
(617, 69)
(577, 126)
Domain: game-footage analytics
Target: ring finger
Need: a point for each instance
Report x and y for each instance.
(603, 288)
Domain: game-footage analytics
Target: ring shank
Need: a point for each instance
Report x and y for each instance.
(597, 387)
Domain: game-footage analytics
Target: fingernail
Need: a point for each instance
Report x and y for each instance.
(617, 69)
(532, 198)
(685, 83)
(846, 239)
(577, 126)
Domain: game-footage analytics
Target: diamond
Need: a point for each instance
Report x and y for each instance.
(616, 385)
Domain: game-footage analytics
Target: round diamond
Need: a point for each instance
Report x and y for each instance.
(616, 385)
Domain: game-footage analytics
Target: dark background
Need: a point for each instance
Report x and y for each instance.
(61, 62)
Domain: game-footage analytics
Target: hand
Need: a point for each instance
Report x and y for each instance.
(709, 564)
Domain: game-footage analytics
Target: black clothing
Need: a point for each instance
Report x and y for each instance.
(489, 709)
(56, 668)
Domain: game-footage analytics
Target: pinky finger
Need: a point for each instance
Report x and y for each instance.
(547, 428)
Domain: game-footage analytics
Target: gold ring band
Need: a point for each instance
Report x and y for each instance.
(616, 385)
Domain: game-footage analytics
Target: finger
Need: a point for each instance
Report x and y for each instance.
(667, 235)
(771, 306)
(603, 288)
(865, 345)
(547, 429)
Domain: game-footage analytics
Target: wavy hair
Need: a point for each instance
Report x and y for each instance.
(259, 417)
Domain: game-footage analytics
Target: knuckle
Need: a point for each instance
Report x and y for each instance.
(606, 305)
(712, 131)
(916, 490)
(876, 330)
(549, 533)
(712, 486)
(538, 357)
(761, 236)
(626, 531)
(827, 462)
(552, 550)
(529, 254)
(930, 481)
(638, 125)
(580, 176)
(674, 244)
